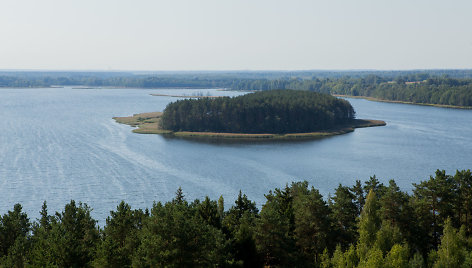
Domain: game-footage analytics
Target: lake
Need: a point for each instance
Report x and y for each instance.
(58, 144)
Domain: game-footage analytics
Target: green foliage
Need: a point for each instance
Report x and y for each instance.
(351, 257)
(338, 260)
(463, 208)
(397, 257)
(295, 228)
(221, 207)
(414, 88)
(274, 111)
(387, 237)
(417, 261)
(208, 211)
(359, 199)
(175, 235)
(13, 231)
(74, 236)
(397, 211)
(344, 213)
(274, 236)
(434, 202)
(374, 259)
(369, 224)
(325, 261)
(452, 252)
(312, 221)
(120, 237)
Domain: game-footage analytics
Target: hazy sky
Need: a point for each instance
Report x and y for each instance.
(235, 34)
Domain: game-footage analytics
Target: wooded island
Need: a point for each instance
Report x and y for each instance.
(264, 114)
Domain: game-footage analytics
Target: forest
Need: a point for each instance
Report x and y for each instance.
(444, 87)
(274, 111)
(414, 88)
(363, 225)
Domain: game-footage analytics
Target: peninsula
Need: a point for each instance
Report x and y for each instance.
(274, 114)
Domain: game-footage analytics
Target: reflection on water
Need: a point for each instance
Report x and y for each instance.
(61, 144)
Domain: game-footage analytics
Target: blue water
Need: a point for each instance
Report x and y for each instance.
(58, 144)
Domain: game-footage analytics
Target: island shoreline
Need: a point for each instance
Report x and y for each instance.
(148, 123)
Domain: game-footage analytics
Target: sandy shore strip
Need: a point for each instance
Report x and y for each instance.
(148, 123)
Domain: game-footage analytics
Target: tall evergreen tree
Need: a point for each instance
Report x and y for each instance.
(312, 222)
(434, 202)
(359, 194)
(369, 224)
(275, 228)
(120, 237)
(344, 214)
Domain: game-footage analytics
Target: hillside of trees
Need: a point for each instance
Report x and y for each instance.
(274, 111)
(364, 225)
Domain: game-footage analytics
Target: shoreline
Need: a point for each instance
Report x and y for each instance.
(405, 102)
(148, 123)
(183, 96)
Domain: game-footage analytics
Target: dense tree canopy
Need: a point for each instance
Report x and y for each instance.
(296, 227)
(274, 111)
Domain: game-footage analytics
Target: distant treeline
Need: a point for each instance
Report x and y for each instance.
(445, 87)
(366, 225)
(416, 89)
(274, 111)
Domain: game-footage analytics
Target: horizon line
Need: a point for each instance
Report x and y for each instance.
(237, 70)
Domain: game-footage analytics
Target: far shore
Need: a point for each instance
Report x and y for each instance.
(404, 102)
(184, 96)
(148, 123)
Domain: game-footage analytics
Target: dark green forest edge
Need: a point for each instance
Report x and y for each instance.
(364, 225)
(450, 88)
(274, 111)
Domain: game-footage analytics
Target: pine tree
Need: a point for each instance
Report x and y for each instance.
(369, 224)
(434, 203)
(120, 237)
(359, 194)
(274, 235)
(221, 207)
(312, 222)
(344, 214)
(179, 196)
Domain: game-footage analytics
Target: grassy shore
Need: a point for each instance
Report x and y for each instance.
(148, 123)
(145, 123)
(403, 102)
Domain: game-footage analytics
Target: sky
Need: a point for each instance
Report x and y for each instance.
(235, 34)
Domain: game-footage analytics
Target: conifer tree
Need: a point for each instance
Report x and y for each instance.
(344, 214)
(369, 224)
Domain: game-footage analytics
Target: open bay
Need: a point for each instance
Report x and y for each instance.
(58, 144)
